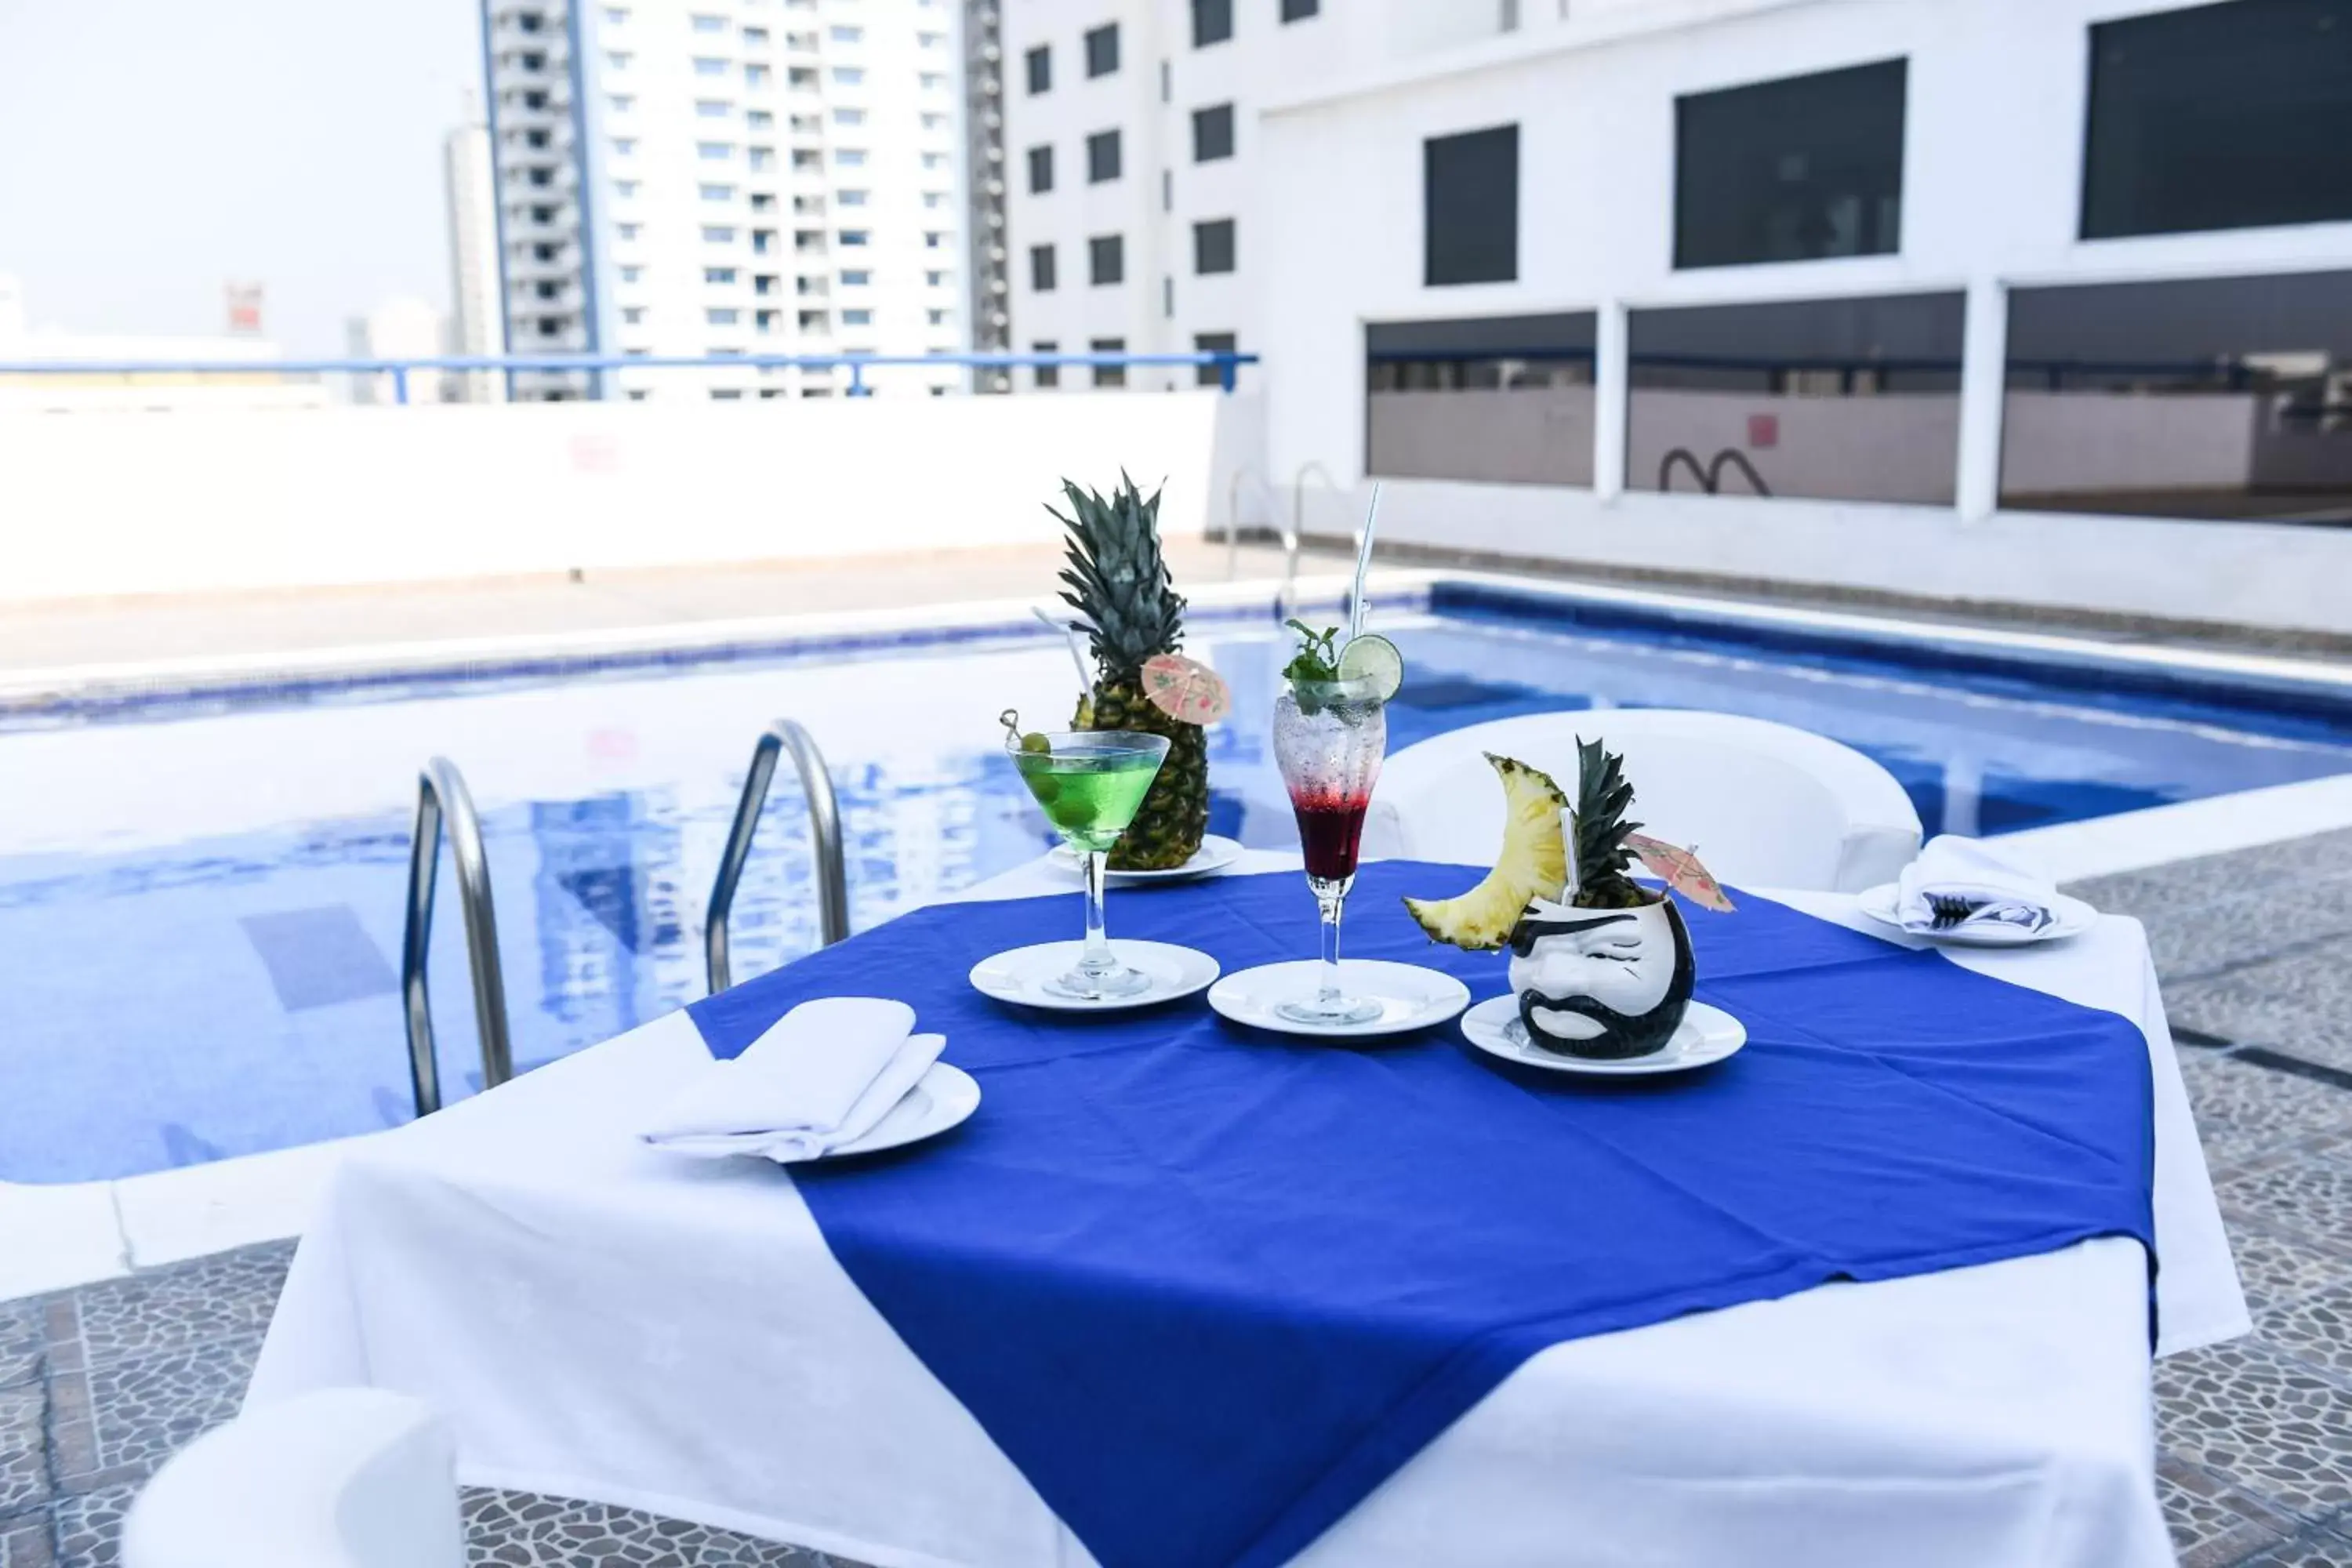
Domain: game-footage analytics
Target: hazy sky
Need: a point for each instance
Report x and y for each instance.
(151, 150)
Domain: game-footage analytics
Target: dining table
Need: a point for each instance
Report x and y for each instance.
(732, 1344)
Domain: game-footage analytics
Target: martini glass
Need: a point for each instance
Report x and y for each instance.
(1330, 737)
(1090, 783)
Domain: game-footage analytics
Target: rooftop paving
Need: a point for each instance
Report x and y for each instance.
(98, 1385)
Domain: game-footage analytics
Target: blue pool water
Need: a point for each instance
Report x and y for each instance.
(201, 901)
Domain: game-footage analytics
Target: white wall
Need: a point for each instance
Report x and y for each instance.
(98, 504)
(1992, 180)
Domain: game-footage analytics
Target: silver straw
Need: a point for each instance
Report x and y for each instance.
(1363, 564)
(1069, 630)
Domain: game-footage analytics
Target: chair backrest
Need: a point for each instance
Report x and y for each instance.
(344, 1477)
(1766, 804)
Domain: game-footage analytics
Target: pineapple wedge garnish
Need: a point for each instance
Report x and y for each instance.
(1533, 865)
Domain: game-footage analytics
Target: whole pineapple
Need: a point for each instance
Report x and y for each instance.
(1602, 855)
(1118, 581)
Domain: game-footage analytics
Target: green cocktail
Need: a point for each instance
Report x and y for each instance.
(1090, 784)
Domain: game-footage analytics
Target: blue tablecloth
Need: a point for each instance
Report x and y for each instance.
(1207, 1288)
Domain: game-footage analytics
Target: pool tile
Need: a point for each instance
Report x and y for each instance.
(2259, 1422)
(24, 1465)
(528, 1531)
(89, 1527)
(22, 1334)
(2315, 1329)
(319, 957)
(2278, 1269)
(2245, 1110)
(2213, 1525)
(223, 1297)
(142, 1410)
(24, 1542)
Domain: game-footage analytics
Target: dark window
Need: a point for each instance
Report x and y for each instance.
(1102, 157)
(1832, 399)
(1213, 246)
(1213, 343)
(1047, 376)
(1497, 400)
(1212, 22)
(1041, 170)
(1041, 268)
(1212, 133)
(1106, 260)
(1168, 295)
(1792, 170)
(1300, 10)
(2219, 117)
(1102, 50)
(1109, 374)
(1470, 203)
(1168, 190)
(1040, 69)
(2208, 398)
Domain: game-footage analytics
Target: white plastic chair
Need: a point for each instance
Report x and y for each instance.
(1764, 804)
(345, 1478)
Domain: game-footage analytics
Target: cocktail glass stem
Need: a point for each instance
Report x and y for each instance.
(1329, 895)
(1095, 963)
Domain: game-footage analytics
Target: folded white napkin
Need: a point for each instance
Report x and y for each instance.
(821, 1075)
(1975, 887)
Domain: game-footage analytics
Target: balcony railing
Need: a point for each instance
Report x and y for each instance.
(1225, 363)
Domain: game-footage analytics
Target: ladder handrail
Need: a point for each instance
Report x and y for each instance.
(1297, 532)
(441, 793)
(825, 840)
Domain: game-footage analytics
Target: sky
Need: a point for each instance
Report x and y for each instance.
(152, 150)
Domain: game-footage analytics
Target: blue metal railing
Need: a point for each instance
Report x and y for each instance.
(1227, 364)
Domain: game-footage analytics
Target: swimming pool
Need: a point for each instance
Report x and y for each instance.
(201, 897)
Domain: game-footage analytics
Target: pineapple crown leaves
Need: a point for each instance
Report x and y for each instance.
(1116, 578)
(1602, 855)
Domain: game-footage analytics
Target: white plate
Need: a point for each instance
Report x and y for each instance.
(1411, 997)
(1706, 1036)
(1214, 853)
(2074, 917)
(1019, 974)
(942, 1098)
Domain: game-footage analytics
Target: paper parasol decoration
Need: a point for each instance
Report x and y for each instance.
(1186, 689)
(1682, 872)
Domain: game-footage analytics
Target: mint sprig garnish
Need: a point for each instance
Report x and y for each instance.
(1317, 658)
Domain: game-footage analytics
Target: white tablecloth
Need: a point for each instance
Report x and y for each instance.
(601, 1320)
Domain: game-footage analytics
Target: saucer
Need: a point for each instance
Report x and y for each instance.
(1018, 976)
(1214, 853)
(942, 1098)
(1705, 1037)
(1411, 997)
(2069, 917)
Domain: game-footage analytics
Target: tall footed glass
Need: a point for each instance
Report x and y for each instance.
(1090, 784)
(1330, 737)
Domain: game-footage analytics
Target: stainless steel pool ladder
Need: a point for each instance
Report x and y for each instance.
(824, 841)
(441, 793)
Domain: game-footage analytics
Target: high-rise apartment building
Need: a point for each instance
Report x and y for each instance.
(477, 316)
(1127, 144)
(683, 178)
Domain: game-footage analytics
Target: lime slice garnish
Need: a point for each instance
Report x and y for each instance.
(1372, 657)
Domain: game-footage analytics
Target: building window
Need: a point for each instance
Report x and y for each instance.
(1300, 10)
(1212, 22)
(857, 318)
(625, 146)
(1439, 394)
(1109, 374)
(1041, 170)
(704, 65)
(1213, 343)
(1812, 383)
(1212, 133)
(1102, 50)
(628, 274)
(760, 119)
(1470, 205)
(1792, 170)
(1102, 157)
(849, 117)
(1106, 260)
(1040, 64)
(1168, 295)
(709, 23)
(617, 59)
(633, 315)
(714, 151)
(850, 198)
(847, 35)
(935, 318)
(935, 279)
(713, 108)
(2216, 398)
(626, 231)
(718, 234)
(856, 278)
(717, 193)
(1213, 246)
(848, 76)
(721, 316)
(719, 275)
(2219, 117)
(1041, 268)
(935, 160)
(850, 157)
(854, 236)
(1047, 376)
(624, 189)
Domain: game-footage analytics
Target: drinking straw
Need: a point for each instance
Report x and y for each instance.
(1363, 564)
(1069, 631)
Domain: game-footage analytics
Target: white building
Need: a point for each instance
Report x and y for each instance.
(727, 177)
(226, 384)
(403, 329)
(476, 320)
(1974, 292)
(1130, 145)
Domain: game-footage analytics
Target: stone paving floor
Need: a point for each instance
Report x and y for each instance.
(98, 1385)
